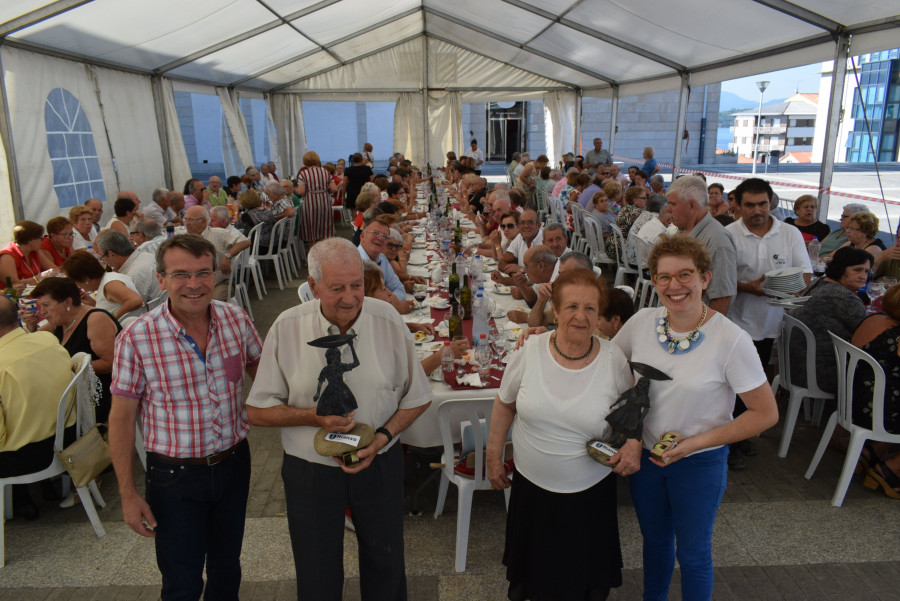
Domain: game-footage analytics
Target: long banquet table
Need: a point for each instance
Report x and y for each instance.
(424, 431)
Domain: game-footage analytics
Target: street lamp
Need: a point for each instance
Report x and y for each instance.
(762, 85)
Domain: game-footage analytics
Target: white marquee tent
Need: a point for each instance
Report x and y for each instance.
(86, 94)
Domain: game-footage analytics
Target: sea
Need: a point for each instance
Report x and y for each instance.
(724, 137)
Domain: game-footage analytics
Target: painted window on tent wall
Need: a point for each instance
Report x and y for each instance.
(73, 155)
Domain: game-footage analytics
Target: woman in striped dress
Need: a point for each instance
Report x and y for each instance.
(316, 186)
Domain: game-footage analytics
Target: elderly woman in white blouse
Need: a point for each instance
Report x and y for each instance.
(709, 359)
(556, 393)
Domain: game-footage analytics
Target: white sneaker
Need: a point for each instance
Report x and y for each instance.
(70, 501)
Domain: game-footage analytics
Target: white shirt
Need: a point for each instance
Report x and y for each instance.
(700, 395)
(518, 246)
(141, 268)
(222, 239)
(389, 377)
(782, 246)
(558, 410)
(646, 238)
(158, 214)
(150, 246)
(79, 243)
(108, 305)
(475, 154)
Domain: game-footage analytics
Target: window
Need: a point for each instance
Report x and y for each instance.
(73, 155)
(204, 134)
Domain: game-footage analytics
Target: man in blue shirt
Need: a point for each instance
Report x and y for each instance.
(371, 247)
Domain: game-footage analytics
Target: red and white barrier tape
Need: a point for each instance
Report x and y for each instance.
(771, 182)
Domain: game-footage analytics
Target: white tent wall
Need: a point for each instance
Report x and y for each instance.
(234, 119)
(444, 125)
(128, 115)
(559, 124)
(179, 167)
(7, 210)
(287, 115)
(409, 137)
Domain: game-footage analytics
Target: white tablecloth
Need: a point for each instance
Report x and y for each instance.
(424, 431)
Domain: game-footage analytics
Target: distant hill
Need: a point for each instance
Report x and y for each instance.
(729, 104)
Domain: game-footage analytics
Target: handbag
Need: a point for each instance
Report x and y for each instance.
(87, 457)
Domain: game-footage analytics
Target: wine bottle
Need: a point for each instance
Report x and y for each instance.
(454, 321)
(11, 292)
(454, 281)
(465, 298)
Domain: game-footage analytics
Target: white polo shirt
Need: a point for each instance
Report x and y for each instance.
(518, 246)
(781, 247)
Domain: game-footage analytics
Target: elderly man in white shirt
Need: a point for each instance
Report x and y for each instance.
(530, 234)
(391, 391)
(158, 210)
(227, 244)
(117, 250)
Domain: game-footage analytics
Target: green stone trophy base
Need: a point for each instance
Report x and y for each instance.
(328, 448)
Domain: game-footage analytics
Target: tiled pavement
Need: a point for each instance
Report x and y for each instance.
(777, 536)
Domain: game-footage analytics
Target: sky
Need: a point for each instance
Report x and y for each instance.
(782, 83)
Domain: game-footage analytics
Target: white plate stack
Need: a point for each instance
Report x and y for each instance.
(785, 282)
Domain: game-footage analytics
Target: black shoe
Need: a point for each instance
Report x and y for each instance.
(746, 447)
(736, 461)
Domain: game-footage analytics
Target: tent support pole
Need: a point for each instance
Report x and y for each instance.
(613, 121)
(156, 86)
(683, 99)
(8, 146)
(579, 106)
(833, 124)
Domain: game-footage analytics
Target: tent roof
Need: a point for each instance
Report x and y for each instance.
(272, 45)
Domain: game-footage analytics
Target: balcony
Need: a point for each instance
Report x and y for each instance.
(772, 129)
(771, 147)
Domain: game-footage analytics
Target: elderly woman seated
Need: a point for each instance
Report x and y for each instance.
(57, 244)
(79, 328)
(861, 232)
(252, 215)
(375, 288)
(115, 292)
(879, 336)
(20, 261)
(833, 306)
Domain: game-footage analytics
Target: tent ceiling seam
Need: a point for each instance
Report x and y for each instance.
(346, 38)
(41, 14)
(803, 14)
(513, 43)
(297, 29)
(452, 43)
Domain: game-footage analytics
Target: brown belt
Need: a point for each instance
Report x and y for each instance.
(209, 460)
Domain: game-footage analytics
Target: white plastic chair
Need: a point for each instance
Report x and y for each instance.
(791, 326)
(253, 260)
(287, 252)
(152, 304)
(579, 241)
(458, 414)
(238, 293)
(305, 293)
(298, 249)
(623, 268)
(66, 405)
(596, 250)
(848, 358)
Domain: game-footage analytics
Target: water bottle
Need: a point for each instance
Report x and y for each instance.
(813, 250)
(460, 265)
(480, 316)
(447, 357)
(476, 270)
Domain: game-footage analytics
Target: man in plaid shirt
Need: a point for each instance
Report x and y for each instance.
(181, 367)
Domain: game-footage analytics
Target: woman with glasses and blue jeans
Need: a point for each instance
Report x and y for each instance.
(709, 359)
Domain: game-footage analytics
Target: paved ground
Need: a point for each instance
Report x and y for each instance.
(777, 536)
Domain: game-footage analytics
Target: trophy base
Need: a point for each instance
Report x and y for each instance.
(330, 444)
(669, 440)
(601, 452)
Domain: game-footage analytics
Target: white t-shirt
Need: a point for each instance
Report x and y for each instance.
(475, 154)
(105, 303)
(700, 395)
(781, 247)
(518, 247)
(558, 410)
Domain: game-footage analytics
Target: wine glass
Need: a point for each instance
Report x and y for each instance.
(483, 357)
(420, 293)
(875, 291)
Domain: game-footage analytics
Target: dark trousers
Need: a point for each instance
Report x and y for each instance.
(200, 513)
(28, 459)
(764, 350)
(317, 496)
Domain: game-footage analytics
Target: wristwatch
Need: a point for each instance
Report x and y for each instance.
(228, 256)
(383, 430)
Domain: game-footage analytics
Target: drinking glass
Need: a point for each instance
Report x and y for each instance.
(483, 357)
(420, 293)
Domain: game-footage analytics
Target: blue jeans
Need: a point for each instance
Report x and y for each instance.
(678, 503)
(200, 514)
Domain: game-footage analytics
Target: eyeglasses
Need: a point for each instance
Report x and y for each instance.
(507, 226)
(69, 235)
(185, 276)
(394, 246)
(527, 222)
(195, 219)
(684, 276)
(853, 229)
(845, 216)
(379, 235)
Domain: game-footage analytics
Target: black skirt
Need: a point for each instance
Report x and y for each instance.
(562, 545)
